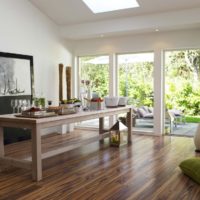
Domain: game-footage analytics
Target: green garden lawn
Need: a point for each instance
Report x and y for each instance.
(192, 119)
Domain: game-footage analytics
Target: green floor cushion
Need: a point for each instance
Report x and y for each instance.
(191, 168)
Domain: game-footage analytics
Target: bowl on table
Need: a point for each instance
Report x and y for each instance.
(123, 101)
(111, 102)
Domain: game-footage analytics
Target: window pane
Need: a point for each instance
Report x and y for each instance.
(94, 78)
(95, 72)
(135, 80)
(182, 89)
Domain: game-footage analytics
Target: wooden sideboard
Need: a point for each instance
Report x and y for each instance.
(35, 125)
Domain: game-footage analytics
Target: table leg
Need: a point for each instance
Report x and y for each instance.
(129, 125)
(36, 154)
(1, 142)
(101, 126)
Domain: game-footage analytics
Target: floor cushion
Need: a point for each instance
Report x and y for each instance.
(191, 168)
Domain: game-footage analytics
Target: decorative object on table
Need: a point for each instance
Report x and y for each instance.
(111, 102)
(89, 92)
(68, 82)
(60, 81)
(85, 93)
(67, 105)
(42, 102)
(19, 105)
(55, 109)
(197, 139)
(61, 110)
(191, 168)
(33, 109)
(39, 102)
(16, 85)
(123, 101)
(49, 102)
(67, 111)
(95, 95)
(96, 104)
(118, 134)
(73, 103)
(42, 115)
(35, 112)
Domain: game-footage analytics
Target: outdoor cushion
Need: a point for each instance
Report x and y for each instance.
(191, 168)
(145, 109)
(148, 116)
(142, 112)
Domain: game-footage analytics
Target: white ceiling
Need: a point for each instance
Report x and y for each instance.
(74, 16)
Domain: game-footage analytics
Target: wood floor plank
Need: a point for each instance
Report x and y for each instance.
(147, 169)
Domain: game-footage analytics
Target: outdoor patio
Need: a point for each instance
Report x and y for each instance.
(187, 129)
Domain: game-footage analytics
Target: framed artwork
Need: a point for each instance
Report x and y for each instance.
(16, 84)
(16, 74)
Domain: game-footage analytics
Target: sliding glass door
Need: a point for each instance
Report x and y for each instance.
(182, 90)
(135, 81)
(93, 81)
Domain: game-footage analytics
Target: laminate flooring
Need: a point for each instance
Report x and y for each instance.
(147, 169)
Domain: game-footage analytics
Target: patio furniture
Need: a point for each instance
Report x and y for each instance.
(124, 120)
(178, 116)
(169, 119)
(143, 112)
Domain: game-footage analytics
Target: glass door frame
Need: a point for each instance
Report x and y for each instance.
(117, 79)
(113, 83)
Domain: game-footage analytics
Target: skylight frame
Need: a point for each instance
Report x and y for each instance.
(102, 6)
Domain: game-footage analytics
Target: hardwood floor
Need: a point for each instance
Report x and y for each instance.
(147, 169)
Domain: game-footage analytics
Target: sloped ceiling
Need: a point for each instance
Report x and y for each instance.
(76, 21)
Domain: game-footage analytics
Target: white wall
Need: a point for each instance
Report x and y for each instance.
(138, 43)
(25, 30)
(156, 42)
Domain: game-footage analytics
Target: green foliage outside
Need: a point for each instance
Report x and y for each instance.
(136, 82)
(193, 119)
(97, 74)
(182, 81)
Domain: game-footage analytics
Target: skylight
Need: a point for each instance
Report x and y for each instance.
(99, 6)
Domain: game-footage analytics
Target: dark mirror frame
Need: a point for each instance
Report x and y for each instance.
(13, 135)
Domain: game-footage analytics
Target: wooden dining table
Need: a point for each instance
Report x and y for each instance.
(37, 124)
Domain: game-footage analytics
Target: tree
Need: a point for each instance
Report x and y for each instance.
(137, 79)
(182, 80)
(185, 63)
(96, 74)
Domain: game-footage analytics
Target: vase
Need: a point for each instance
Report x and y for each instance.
(89, 93)
(197, 139)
